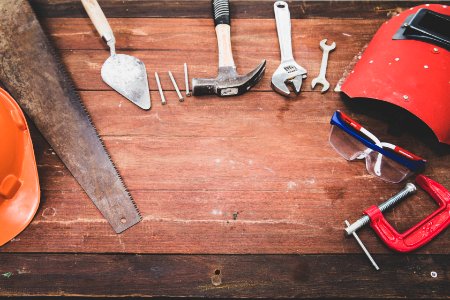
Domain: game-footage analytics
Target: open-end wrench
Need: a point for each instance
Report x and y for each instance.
(323, 66)
(289, 72)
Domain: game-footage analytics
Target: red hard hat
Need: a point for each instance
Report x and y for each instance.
(19, 183)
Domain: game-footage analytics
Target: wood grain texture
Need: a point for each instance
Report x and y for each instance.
(251, 174)
(239, 8)
(225, 276)
(260, 178)
(248, 175)
(165, 44)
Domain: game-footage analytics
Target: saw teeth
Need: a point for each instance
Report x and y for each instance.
(13, 64)
(73, 90)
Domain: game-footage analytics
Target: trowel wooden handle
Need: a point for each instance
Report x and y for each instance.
(98, 18)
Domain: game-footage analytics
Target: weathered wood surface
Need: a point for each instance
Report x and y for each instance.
(225, 276)
(248, 175)
(165, 44)
(239, 8)
(252, 174)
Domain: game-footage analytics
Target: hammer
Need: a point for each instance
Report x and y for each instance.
(227, 82)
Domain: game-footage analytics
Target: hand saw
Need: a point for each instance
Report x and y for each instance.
(33, 75)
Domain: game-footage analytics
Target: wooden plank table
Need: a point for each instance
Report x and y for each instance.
(240, 197)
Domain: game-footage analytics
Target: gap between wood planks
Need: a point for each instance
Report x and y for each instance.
(304, 276)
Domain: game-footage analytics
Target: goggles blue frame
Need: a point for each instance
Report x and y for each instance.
(414, 164)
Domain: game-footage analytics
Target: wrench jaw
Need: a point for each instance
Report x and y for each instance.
(288, 77)
(325, 84)
(278, 84)
(323, 45)
(297, 83)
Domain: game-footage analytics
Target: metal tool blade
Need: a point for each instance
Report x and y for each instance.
(128, 76)
(32, 74)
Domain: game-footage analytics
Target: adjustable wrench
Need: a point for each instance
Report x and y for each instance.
(289, 72)
(323, 66)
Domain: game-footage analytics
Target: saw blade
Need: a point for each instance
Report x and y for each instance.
(31, 72)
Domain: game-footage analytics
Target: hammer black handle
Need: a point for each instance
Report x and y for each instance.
(221, 12)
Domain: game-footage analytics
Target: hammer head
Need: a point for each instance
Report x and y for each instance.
(228, 82)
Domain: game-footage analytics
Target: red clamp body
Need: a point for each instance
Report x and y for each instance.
(421, 233)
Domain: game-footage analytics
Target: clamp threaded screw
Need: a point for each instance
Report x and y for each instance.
(410, 188)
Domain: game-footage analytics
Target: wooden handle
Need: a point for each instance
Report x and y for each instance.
(224, 45)
(98, 19)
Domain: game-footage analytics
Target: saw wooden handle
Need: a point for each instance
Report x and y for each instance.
(99, 20)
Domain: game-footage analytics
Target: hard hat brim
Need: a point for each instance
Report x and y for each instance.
(17, 211)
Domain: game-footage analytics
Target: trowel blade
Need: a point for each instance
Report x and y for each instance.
(127, 75)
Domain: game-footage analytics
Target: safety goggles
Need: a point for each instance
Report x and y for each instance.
(384, 160)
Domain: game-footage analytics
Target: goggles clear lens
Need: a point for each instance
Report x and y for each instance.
(377, 164)
(387, 169)
(348, 147)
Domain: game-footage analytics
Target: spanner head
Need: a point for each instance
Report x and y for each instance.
(325, 84)
(288, 73)
(321, 78)
(325, 47)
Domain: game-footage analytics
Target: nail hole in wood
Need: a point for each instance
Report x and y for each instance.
(216, 279)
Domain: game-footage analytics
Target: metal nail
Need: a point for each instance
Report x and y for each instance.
(186, 80)
(180, 97)
(163, 99)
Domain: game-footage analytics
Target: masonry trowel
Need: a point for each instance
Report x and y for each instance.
(124, 73)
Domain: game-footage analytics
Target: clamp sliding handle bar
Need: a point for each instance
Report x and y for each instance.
(421, 233)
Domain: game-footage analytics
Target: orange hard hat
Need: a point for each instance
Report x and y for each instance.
(19, 182)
